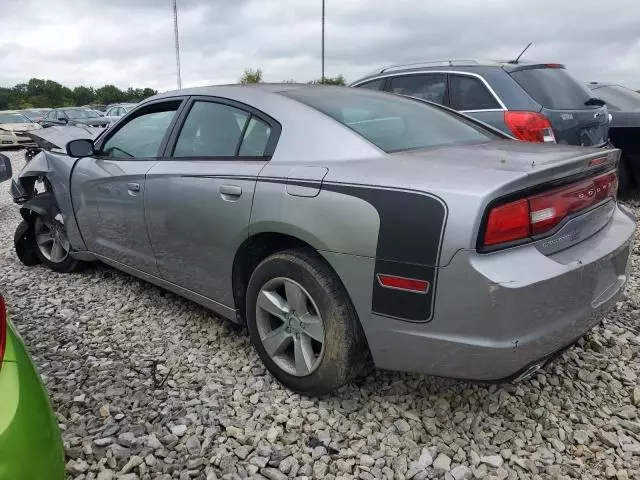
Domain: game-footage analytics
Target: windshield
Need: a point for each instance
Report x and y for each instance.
(553, 88)
(13, 118)
(619, 98)
(391, 122)
(81, 113)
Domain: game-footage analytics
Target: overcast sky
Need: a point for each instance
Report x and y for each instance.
(130, 42)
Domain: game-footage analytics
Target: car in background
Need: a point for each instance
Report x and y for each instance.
(624, 131)
(35, 114)
(77, 116)
(533, 102)
(96, 106)
(13, 128)
(120, 109)
(30, 442)
(343, 225)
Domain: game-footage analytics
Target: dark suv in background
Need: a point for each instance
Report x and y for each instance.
(535, 102)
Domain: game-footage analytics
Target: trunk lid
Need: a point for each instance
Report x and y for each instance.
(541, 162)
(576, 117)
(503, 172)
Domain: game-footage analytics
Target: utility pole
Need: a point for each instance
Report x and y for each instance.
(322, 77)
(177, 42)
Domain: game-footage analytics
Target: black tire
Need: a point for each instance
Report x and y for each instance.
(345, 351)
(25, 245)
(68, 265)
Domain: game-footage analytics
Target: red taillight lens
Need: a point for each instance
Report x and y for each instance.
(541, 213)
(507, 223)
(530, 126)
(3, 328)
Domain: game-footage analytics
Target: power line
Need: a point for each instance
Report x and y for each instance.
(177, 42)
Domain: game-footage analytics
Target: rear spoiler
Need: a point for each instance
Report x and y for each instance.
(515, 67)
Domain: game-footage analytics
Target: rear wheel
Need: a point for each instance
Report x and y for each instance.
(302, 323)
(52, 245)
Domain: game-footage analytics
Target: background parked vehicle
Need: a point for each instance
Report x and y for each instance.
(96, 106)
(120, 109)
(624, 132)
(35, 114)
(13, 128)
(534, 102)
(30, 442)
(411, 197)
(75, 116)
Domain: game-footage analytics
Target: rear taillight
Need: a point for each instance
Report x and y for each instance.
(532, 216)
(3, 328)
(530, 126)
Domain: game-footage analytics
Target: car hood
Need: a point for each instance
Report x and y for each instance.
(91, 121)
(19, 127)
(57, 137)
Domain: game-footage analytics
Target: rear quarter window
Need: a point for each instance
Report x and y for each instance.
(553, 88)
(391, 122)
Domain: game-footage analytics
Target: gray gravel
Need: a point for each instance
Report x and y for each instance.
(148, 385)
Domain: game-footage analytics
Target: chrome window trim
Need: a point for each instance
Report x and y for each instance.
(485, 110)
(452, 72)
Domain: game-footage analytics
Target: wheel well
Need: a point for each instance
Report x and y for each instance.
(253, 251)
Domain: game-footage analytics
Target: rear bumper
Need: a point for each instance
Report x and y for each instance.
(30, 442)
(496, 314)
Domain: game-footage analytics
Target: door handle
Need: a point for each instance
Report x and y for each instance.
(230, 190)
(133, 189)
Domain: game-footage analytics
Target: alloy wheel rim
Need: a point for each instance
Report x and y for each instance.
(51, 239)
(290, 326)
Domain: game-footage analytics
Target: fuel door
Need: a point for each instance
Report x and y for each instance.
(305, 181)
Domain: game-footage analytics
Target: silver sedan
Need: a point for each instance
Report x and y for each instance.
(344, 227)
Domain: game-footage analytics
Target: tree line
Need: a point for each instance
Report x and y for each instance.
(255, 76)
(38, 93)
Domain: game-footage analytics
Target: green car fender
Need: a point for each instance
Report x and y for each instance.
(30, 442)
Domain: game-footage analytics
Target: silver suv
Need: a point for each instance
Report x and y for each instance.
(535, 102)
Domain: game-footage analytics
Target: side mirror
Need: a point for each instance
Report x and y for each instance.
(63, 120)
(80, 148)
(5, 168)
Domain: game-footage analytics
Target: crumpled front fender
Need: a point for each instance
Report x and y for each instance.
(56, 169)
(43, 204)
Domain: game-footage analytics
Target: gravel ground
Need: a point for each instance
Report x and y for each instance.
(148, 385)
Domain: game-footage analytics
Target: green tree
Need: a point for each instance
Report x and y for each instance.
(83, 95)
(339, 80)
(39, 92)
(109, 94)
(251, 76)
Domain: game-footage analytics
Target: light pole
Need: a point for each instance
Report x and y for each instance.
(322, 76)
(177, 42)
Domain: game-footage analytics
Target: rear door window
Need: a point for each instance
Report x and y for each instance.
(553, 88)
(211, 130)
(470, 93)
(430, 87)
